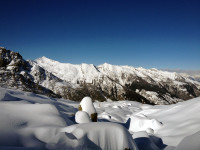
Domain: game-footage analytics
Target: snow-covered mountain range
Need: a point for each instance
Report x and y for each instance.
(101, 82)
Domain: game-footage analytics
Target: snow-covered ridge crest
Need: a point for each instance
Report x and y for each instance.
(141, 72)
(69, 72)
(125, 82)
(72, 72)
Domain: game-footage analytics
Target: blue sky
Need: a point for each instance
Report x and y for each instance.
(151, 34)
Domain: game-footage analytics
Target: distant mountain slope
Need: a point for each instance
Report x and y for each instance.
(124, 82)
(192, 74)
(52, 78)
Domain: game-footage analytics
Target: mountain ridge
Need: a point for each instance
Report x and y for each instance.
(118, 77)
(102, 82)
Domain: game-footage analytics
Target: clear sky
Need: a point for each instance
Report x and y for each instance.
(151, 34)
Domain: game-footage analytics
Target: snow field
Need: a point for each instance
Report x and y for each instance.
(26, 123)
(29, 120)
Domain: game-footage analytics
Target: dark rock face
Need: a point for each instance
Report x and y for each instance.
(84, 90)
(15, 73)
(166, 92)
(136, 88)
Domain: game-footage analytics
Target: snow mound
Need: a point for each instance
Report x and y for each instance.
(106, 136)
(88, 106)
(139, 123)
(7, 96)
(105, 115)
(20, 123)
(179, 120)
(190, 142)
(82, 117)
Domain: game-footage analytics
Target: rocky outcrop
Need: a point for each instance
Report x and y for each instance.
(15, 73)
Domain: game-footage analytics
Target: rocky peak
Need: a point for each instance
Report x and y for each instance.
(10, 58)
(15, 72)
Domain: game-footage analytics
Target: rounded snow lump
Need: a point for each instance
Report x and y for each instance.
(87, 106)
(82, 117)
(138, 123)
(150, 131)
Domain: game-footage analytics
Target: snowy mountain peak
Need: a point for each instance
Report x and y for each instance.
(46, 60)
(2, 48)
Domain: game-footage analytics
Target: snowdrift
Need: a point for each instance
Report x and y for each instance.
(32, 121)
(142, 123)
(106, 136)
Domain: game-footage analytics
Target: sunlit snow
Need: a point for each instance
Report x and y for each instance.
(29, 120)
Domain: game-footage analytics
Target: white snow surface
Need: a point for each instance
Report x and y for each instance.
(87, 105)
(190, 142)
(29, 121)
(105, 134)
(69, 72)
(113, 78)
(82, 117)
(88, 72)
(142, 123)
